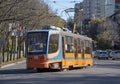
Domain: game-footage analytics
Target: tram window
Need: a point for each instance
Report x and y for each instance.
(53, 43)
(36, 43)
(69, 46)
(79, 46)
(88, 47)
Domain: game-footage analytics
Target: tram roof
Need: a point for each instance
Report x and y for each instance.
(50, 29)
(59, 30)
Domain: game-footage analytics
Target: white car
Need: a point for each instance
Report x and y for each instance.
(115, 55)
(103, 55)
(96, 53)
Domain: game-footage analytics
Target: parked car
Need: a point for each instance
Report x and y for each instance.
(115, 55)
(109, 51)
(96, 53)
(103, 55)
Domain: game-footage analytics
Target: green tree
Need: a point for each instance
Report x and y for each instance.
(103, 40)
(107, 32)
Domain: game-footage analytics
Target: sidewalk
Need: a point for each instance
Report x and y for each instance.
(11, 64)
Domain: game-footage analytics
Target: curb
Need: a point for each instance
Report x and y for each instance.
(11, 64)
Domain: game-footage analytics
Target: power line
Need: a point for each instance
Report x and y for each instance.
(59, 6)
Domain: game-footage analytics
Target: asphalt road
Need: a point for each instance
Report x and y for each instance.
(103, 72)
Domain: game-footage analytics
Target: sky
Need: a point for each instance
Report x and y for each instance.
(59, 6)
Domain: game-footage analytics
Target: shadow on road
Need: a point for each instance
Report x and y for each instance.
(16, 71)
(66, 80)
(25, 71)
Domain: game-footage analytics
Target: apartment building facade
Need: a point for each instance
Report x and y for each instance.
(117, 5)
(98, 8)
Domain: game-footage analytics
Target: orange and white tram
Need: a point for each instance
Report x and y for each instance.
(53, 48)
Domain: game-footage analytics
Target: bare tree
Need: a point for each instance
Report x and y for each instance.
(29, 14)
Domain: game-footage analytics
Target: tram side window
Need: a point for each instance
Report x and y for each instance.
(88, 47)
(79, 46)
(53, 43)
(69, 47)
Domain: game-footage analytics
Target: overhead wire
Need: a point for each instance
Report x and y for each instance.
(62, 7)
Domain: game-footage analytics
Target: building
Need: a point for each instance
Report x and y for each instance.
(86, 9)
(117, 5)
(78, 16)
(78, 12)
(116, 17)
(98, 8)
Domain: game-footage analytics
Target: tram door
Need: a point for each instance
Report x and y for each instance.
(68, 52)
(76, 51)
(63, 50)
(83, 52)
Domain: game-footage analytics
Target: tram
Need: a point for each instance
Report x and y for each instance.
(56, 48)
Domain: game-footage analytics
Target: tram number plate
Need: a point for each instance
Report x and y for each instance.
(35, 57)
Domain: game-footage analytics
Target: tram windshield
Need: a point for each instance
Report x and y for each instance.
(37, 42)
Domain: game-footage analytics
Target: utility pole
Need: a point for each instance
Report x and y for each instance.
(67, 12)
